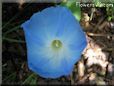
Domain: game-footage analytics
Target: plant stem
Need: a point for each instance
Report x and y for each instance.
(13, 40)
(9, 31)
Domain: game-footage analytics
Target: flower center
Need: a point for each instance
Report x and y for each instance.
(56, 44)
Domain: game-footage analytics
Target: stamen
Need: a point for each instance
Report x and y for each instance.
(56, 44)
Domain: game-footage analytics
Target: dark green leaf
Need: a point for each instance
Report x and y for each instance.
(75, 9)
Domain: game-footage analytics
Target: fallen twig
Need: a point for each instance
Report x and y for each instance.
(97, 34)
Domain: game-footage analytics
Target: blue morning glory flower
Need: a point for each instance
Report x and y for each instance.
(55, 41)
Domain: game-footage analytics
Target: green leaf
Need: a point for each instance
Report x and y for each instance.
(97, 3)
(109, 18)
(75, 9)
(110, 13)
(31, 79)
